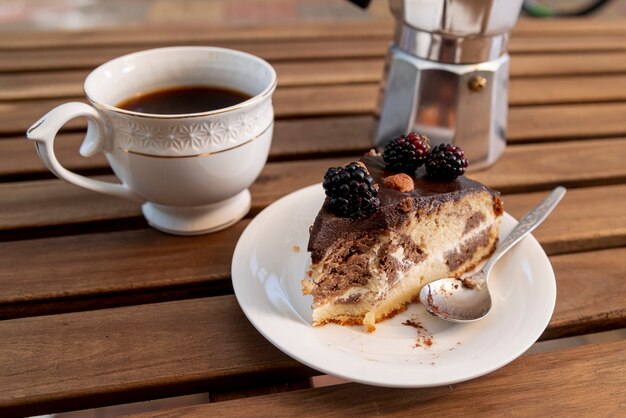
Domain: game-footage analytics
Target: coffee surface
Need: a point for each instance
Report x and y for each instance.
(180, 100)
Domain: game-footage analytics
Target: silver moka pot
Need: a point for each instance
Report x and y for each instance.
(447, 74)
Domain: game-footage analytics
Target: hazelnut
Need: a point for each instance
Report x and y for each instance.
(401, 182)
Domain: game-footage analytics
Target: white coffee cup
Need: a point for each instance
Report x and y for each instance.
(191, 172)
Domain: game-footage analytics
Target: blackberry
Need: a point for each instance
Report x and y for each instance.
(351, 191)
(446, 162)
(406, 153)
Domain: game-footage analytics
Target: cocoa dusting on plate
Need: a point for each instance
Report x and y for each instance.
(424, 338)
(413, 323)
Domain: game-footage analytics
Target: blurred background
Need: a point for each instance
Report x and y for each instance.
(86, 14)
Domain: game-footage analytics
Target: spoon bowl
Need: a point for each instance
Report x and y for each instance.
(456, 300)
(469, 300)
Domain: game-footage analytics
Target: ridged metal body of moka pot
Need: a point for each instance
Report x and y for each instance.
(447, 74)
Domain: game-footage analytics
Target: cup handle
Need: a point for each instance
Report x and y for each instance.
(44, 131)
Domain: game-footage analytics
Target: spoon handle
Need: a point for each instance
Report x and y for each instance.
(529, 222)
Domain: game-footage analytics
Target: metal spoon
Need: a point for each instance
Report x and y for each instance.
(469, 299)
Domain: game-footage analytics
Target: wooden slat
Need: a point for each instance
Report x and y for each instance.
(180, 34)
(584, 279)
(565, 44)
(101, 270)
(580, 208)
(583, 381)
(87, 57)
(20, 86)
(156, 350)
(350, 99)
(69, 83)
(568, 64)
(569, 26)
(68, 204)
(539, 166)
(49, 203)
(151, 35)
(64, 362)
(560, 122)
(546, 90)
(18, 157)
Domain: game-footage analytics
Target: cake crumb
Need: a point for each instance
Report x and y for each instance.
(424, 338)
(406, 205)
(307, 286)
(468, 283)
(369, 320)
(413, 323)
(296, 248)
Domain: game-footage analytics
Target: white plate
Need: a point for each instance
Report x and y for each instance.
(267, 271)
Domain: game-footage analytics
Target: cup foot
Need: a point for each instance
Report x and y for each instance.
(197, 220)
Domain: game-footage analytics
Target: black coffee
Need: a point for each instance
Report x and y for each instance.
(179, 100)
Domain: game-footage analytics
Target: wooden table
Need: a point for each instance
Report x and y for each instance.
(99, 309)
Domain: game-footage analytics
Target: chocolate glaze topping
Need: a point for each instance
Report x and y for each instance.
(394, 205)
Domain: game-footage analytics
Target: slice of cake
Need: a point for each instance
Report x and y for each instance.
(381, 235)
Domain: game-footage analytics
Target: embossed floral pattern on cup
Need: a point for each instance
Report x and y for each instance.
(193, 135)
